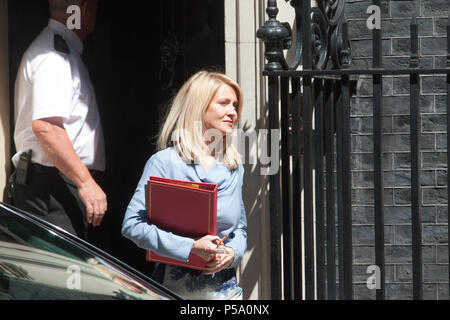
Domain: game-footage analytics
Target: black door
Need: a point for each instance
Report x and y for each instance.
(138, 56)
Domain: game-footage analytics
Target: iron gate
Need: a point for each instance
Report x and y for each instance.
(319, 94)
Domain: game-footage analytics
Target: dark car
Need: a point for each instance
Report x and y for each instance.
(39, 261)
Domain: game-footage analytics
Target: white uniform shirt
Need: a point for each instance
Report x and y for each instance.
(55, 84)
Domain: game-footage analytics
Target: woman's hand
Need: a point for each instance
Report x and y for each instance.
(222, 261)
(205, 247)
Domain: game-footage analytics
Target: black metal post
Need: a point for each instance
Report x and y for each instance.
(308, 156)
(340, 186)
(330, 198)
(347, 282)
(274, 35)
(286, 189)
(296, 190)
(378, 160)
(415, 168)
(275, 197)
(319, 202)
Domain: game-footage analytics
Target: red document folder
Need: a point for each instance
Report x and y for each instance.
(184, 208)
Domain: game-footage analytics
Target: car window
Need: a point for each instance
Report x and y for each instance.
(38, 263)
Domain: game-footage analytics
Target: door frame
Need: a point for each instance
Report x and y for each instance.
(5, 102)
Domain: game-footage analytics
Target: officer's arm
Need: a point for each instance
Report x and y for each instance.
(57, 146)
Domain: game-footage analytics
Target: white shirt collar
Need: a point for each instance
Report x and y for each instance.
(67, 34)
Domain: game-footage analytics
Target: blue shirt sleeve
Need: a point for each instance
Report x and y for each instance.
(239, 242)
(146, 235)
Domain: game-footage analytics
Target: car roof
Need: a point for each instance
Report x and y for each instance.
(64, 249)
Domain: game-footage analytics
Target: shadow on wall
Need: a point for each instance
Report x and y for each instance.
(255, 269)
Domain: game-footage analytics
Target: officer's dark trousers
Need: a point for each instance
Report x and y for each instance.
(53, 197)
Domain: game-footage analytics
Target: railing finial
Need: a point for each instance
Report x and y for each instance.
(276, 38)
(272, 9)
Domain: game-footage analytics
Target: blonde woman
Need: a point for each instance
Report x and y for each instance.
(195, 144)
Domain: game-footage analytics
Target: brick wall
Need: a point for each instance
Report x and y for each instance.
(396, 17)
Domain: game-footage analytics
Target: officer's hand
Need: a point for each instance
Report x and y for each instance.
(94, 199)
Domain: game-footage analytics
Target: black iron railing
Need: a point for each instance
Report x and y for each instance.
(324, 87)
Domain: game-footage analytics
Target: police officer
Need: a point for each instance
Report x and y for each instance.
(58, 133)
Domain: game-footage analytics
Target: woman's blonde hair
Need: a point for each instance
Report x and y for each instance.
(182, 129)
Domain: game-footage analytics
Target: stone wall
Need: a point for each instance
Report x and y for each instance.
(396, 17)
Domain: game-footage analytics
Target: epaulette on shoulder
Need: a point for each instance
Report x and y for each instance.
(60, 44)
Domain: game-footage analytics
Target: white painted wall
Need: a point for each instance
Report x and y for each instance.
(243, 62)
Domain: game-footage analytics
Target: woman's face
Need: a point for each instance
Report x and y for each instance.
(221, 113)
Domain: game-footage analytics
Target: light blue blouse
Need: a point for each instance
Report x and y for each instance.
(231, 217)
